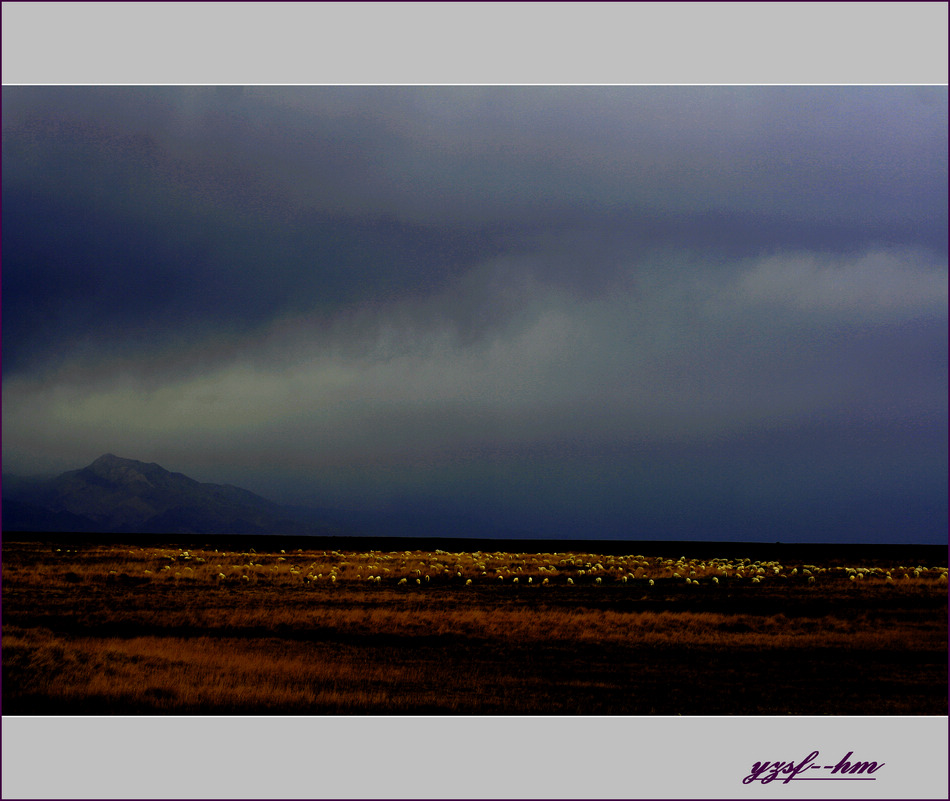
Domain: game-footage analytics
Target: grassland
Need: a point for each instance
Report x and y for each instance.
(125, 628)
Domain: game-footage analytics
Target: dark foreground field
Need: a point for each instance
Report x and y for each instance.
(227, 627)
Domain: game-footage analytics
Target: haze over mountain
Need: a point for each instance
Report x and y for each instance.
(124, 495)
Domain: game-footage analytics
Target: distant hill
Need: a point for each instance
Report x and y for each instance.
(115, 495)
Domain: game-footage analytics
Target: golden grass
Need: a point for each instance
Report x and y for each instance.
(104, 629)
(199, 673)
(420, 568)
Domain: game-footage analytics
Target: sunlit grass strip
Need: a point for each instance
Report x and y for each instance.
(423, 568)
(647, 629)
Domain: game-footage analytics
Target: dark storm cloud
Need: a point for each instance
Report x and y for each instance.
(197, 207)
(625, 305)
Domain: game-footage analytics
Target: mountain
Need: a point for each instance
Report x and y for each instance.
(114, 495)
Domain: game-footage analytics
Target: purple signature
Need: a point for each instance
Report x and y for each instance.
(785, 772)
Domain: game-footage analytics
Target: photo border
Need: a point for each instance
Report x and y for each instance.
(465, 43)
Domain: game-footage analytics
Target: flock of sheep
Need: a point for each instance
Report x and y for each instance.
(427, 568)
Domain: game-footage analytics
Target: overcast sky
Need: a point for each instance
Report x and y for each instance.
(657, 312)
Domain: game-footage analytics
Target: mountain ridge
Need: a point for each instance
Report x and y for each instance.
(119, 495)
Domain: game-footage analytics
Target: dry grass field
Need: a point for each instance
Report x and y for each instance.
(119, 629)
